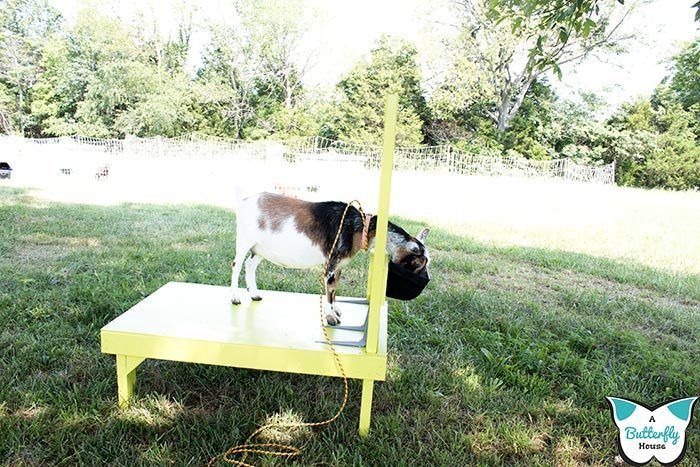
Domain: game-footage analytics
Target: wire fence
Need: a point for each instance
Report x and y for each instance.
(447, 158)
(436, 159)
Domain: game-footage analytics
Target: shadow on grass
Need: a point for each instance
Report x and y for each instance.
(505, 359)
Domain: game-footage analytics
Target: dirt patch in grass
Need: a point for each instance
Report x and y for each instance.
(11, 196)
(37, 249)
(44, 239)
(194, 246)
(544, 285)
(37, 255)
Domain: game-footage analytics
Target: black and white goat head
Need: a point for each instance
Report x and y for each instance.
(299, 234)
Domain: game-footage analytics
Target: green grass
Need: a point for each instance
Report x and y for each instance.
(505, 359)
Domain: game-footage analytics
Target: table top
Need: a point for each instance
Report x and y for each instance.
(200, 312)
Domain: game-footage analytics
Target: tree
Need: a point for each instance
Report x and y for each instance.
(5, 117)
(566, 19)
(684, 82)
(275, 31)
(392, 68)
(663, 150)
(505, 56)
(168, 54)
(162, 106)
(99, 82)
(226, 83)
(676, 164)
(528, 132)
(253, 70)
(25, 25)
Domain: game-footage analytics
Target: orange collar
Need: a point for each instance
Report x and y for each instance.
(364, 242)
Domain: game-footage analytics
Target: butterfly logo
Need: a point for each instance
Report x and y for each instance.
(646, 433)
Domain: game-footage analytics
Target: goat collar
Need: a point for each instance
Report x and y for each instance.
(364, 242)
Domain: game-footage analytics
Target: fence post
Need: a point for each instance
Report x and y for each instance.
(449, 158)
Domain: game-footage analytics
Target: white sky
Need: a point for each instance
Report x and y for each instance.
(345, 31)
(661, 27)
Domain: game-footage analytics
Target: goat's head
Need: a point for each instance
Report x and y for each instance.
(406, 250)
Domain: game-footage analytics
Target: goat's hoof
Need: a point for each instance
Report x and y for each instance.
(256, 298)
(235, 301)
(332, 320)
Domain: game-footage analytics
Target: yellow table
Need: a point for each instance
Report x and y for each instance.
(196, 323)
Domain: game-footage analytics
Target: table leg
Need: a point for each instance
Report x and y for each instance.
(366, 406)
(126, 377)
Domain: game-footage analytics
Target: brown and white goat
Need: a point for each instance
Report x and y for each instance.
(299, 234)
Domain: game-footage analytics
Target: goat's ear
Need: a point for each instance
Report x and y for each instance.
(422, 235)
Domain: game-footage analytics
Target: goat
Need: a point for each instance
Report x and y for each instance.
(299, 234)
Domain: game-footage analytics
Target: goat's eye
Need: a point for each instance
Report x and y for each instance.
(415, 249)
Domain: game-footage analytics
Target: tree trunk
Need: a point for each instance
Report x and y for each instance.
(288, 88)
(507, 109)
(503, 120)
(20, 98)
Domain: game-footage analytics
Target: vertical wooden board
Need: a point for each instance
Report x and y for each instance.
(379, 263)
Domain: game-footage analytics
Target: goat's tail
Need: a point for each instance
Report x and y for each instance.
(241, 192)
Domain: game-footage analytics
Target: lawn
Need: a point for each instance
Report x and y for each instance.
(505, 359)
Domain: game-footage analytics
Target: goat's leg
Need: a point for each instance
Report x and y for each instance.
(251, 265)
(331, 310)
(333, 288)
(242, 249)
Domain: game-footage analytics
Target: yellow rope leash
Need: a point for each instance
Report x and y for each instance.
(287, 450)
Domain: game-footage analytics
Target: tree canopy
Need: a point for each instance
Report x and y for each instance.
(99, 76)
(392, 68)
